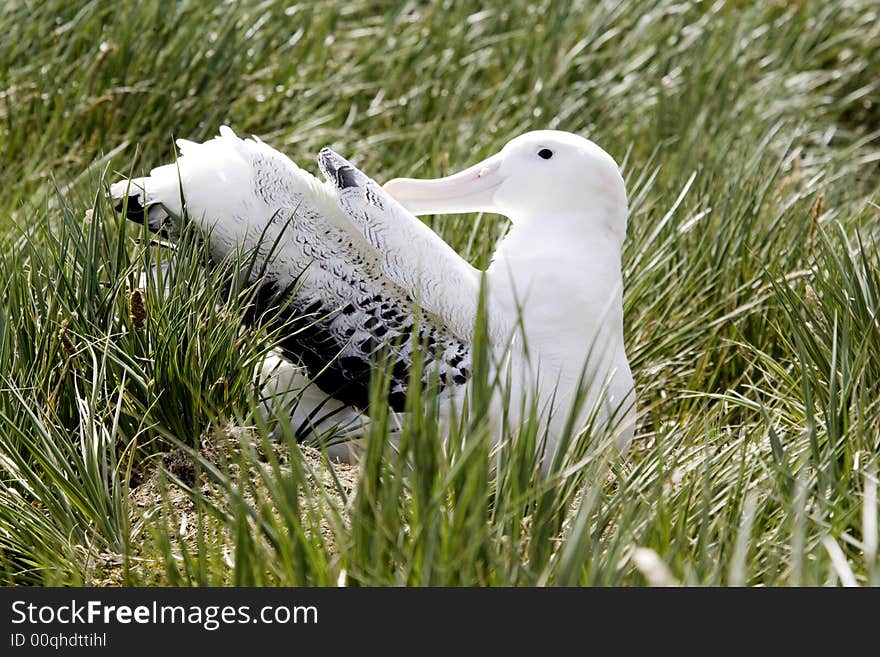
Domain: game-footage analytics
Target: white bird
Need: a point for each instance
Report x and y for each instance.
(351, 272)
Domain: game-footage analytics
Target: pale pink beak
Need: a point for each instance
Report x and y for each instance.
(471, 190)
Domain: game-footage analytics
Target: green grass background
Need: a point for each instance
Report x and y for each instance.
(749, 136)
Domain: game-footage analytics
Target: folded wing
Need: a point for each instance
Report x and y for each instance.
(411, 254)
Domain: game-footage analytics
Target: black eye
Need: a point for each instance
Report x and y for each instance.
(546, 153)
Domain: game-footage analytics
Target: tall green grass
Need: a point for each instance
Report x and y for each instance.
(748, 135)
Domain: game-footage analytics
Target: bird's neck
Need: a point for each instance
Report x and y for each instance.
(560, 277)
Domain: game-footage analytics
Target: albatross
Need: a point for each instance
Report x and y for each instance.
(350, 273)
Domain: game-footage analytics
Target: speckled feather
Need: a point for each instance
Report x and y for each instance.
(341, 302)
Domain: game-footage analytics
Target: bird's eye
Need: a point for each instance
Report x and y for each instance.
(546, 153)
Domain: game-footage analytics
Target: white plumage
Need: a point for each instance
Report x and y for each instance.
(351, 272)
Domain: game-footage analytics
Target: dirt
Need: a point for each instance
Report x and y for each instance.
(181, 465)
(159, 495)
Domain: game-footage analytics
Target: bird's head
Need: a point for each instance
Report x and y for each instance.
(536, 176)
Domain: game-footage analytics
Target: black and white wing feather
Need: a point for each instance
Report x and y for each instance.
(411, 254)
(349, 276)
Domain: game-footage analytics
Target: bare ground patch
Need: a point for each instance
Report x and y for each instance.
(161, 503)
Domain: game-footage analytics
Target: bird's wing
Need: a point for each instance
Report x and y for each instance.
(323, 284)
(411, 254)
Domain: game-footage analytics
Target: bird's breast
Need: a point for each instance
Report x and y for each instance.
(564, 304)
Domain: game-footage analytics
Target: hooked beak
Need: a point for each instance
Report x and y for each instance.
(472, 190)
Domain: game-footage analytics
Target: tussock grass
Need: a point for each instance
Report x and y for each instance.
(748, 135)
